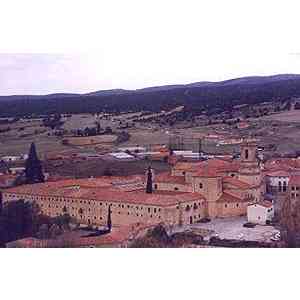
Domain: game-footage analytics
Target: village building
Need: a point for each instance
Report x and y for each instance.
(190, 192)
(260, 213)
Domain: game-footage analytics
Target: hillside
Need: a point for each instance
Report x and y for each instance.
(194, 96)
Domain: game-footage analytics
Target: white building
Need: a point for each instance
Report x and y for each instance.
(277, 181)
(10, 158)
(260, 213)
(121, 155)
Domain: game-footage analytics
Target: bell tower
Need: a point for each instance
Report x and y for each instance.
(248, 151)
(249, 171)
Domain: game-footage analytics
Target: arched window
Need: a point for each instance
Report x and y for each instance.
(200, 185)
(284, 186)
(246, 154)
(279, 186)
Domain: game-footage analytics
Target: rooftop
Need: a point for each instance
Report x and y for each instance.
(229, 196)
(103, 190)
(167, 177)
(236, 182)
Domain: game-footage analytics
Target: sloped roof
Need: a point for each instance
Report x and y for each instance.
(264, 203)
(228, 197)
(168, 178)
(104, 193)
(236, 182)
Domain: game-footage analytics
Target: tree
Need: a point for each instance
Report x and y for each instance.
(18, 219)
(33, 170)
(290, 221)
(98, 127)
(109, 224)
(149, 181)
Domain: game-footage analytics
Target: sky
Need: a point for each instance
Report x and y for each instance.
(52, 47)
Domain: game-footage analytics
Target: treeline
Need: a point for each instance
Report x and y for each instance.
(212, 97)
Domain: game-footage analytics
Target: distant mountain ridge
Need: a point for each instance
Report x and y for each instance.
(197, 95)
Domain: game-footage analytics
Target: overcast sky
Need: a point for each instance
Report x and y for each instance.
(135, 44)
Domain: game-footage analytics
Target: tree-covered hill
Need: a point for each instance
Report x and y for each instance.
(195, 96)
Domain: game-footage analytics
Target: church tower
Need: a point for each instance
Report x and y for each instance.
(249, 171)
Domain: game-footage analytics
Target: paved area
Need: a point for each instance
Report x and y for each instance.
(232, 228)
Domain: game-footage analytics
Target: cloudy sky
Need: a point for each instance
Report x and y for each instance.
(133, 44)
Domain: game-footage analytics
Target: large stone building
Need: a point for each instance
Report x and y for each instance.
(190, 192)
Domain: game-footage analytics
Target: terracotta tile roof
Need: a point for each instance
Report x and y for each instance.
(263, 203)
(278, 173)
(207, 172)
(168, 178)
(283, 163)
(229, 196)
(106, 194)
(236, 182)
(216, 165)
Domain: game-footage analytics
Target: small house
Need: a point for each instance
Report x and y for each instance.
(260, 212)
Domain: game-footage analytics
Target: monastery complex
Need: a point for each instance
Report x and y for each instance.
(190, 192)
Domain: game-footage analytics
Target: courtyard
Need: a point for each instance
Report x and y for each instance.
(232, 228)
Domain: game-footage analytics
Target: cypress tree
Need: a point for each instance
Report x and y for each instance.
(149, 181)
(109, 219)
(33, 169)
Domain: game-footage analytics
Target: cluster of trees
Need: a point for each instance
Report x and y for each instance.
(93, 131)
(290, 222)
(53, 121)
(21, 219)
(158, 237)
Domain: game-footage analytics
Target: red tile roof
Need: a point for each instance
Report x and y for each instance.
(215, 165)
(207, 172)
(263, 203)
(237, 183)
(104, 193)
(167, 177)
(229, 196)
(278, 173)
(283, 164)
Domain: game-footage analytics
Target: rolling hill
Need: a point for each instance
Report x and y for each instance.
(194, 96)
